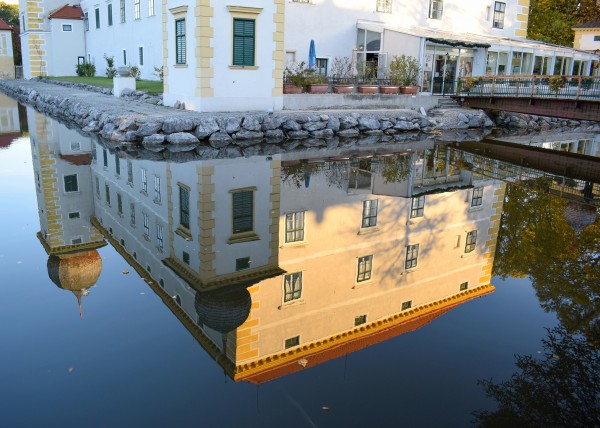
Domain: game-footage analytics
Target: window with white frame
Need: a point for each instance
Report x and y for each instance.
(364, 268)
(97, 14)
(436, 8)
(477, 197)
(417, 207)
(294, 227)
(122, 10)
(159, 236)
(184, 206)
(71, 184)
(150, 7)
(146, 226)
(384, 6)
(369, 213)
(412, 256)
(67, 27)
(86, 21)
(144, 180)
(292, 287)
(157, 189)
(136, 9)
(180, 54)
(109, 14)
(141, 55)
(4, 45)
(499, 11)
(132, 213)
(471, 241)
(75, 146)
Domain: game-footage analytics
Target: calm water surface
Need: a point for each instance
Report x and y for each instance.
(348, 326)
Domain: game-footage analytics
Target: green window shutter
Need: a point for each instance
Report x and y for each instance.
(243, 208)
(243, 42)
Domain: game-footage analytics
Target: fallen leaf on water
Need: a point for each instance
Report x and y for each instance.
(125, 272)
(142, 293)
(326, 408)
(70, 369)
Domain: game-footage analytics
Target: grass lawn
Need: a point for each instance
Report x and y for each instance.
(149, 86)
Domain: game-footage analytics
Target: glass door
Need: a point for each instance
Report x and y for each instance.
(444, 74)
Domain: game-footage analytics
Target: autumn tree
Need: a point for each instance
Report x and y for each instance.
(551, 20)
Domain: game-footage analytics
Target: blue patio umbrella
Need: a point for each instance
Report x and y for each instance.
(312, 56)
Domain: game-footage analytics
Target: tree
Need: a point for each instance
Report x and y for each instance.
(560, 389)
(551, 20)
(10, 14)
(536, 240)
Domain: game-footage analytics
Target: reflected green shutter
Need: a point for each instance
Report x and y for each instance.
(243, 211)
(243, 41)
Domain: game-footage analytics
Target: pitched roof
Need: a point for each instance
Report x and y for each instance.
(594, 23)
(4, 25)
(67, 12)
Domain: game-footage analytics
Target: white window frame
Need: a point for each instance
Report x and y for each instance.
(384, 6)
(150, 7)
(67, 28)
(295, 218)
(436, 9)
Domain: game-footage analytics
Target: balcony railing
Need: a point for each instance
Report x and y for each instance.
(567, 87)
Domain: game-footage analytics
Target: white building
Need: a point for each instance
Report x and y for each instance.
(587, 36)
(129, 31)
(7, 64)
(52, 42)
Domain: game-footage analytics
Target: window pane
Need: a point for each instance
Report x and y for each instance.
(71, 183)
(184, 207)
(243, 208)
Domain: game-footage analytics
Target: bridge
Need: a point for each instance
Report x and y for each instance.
(570, 97)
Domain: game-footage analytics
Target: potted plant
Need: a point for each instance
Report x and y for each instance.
(586, 82)
(556, 82)
(295, 78)
(404, 71)
(317, 83)
(470, 83)
(369, 85)
(341, 71)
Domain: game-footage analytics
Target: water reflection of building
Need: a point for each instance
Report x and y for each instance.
(61, 164)
(9, 121)
(276, 264)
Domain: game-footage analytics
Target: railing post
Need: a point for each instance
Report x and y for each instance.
(532, 86)
(579, 80)
(518, 84)
(493, 85)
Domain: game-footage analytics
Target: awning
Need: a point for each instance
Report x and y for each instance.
(458, 43)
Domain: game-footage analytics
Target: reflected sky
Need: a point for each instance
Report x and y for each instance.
(138, 355)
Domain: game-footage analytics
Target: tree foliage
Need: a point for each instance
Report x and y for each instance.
(559, 389)
(551, 20)
(536, 240)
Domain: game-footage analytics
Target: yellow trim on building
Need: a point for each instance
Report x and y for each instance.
(204, 34)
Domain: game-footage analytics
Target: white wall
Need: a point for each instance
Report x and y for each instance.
(61, 60)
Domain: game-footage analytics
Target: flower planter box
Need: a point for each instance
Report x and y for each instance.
(388, 89)
(367, 89)
(343, 89)
(288, 88)
(317, 88)
(411, 90)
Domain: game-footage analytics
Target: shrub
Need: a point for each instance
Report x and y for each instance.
(341, 67)
(135, 72)
(297, 74)
(85, 69)
(404, 70)
(111, 71)
(159, 71)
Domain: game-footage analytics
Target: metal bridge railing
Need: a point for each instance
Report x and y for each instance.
(566, 87)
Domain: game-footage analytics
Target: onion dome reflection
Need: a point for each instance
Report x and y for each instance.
(76, 272)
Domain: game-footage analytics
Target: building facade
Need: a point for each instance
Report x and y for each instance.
(587, 36)
(7, 62)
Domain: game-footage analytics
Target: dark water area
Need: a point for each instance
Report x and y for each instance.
(336, 289)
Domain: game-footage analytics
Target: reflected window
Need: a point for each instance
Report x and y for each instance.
(294, 227)
(132, 213)
(105, 158)
(365, 265)
(136, 9)
(150, 7)
(499, 10)
(243, 211)
(471, 241)
(292, 341)
(122, 10)
(119, 204)
(360, 320)
(146, 226)
(464, 286)
(185, 257)
(243, 263)
(436, 7)
(74, 215)
(129, 172)
(406, 305)
(369, 214)
(97, 187)
(184, 207)
(412, 254)
(107, 194)
(71, 184)
(477, 197)
(159, 237)
(292, 287)
(417, 207)
(144, 181)
(156, 189)
(75, 146)
(117, 165)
